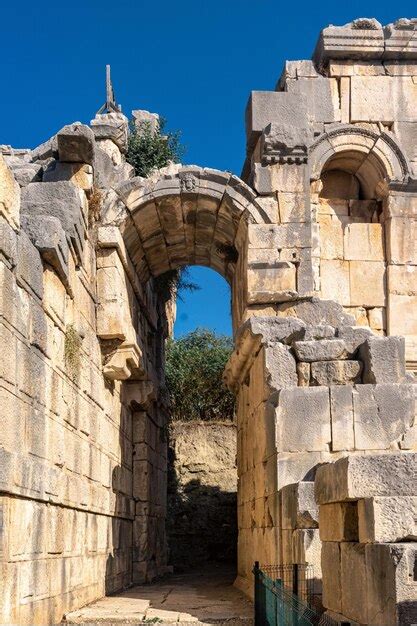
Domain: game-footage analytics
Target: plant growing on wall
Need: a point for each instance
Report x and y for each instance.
(72, 350)
(150, 148)
(194, 369)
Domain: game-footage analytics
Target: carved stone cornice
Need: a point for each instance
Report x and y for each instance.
(285, 144)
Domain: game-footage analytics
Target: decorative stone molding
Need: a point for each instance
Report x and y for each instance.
(283, 143)
(383, 160)
(124, 361)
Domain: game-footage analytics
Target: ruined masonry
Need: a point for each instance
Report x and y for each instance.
(319, 244)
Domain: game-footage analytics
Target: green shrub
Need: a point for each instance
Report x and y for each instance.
(194, 369)
(150, 149)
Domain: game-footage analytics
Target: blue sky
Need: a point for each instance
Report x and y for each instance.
(192, 61)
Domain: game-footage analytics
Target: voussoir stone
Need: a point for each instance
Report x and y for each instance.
(325, 350)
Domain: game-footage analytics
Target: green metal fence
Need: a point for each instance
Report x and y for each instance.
(284, 596)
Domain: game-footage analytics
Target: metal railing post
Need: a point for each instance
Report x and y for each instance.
(256, 579)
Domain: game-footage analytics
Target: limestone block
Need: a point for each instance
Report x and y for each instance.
(80, 174)
(303, 419)
(280, 367)
(401, 320)
(8, 242)
(387, 519)
(354, 337)
(48, 236)
(291, 235)
(338, 521)
(402, 280)
(383, 359)
(76, 144)
(341, 410)
(306, 548)
(382, 413)
(359, 314)
(324, 350)
(299, 509)
(401, 235)
(350, 67)
(272, 284)
(372, 99)
(377, 317)
(355, 477)
(331, 576)
(29, 265)
(321, 96)
(367, 283)
(9, 195)
(265, 107)
(303, 372)
(335, 280)
(26, 173)
(331, 237)
(61, 200)
(353, 582)
(364, 242)
(321, 331)
(293, 207)
(336, 372)
(332, 207)
(112, 126)
(391, 596)
(279, 177)
(317, 312)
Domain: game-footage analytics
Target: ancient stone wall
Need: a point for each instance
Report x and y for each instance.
(328, 210)
(75, 483)
(202, 491)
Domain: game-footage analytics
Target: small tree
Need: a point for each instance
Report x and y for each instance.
(194, 368)
(150, 148)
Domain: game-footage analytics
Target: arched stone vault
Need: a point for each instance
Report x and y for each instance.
(187, 216)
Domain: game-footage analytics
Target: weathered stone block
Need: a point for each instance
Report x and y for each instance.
(383, 359)
(48, 236)
(335, 281)
(76, 144)
(353, 582)
(61, 200)
(265, 107)
(387, 519)
(367, 283)
(80, 174)
(331, 576)
(338, 521)
(275, 283)
(9, 195)
(306, 548)
(355, 477)
(325, 350)
(321, 96)
(354, 337)
(382, 413)
(29, 265)
(299, 508)
(336, 372)
(364, 242)
(391, 584)
(341, 410)
(280, 367)
(303, 419)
